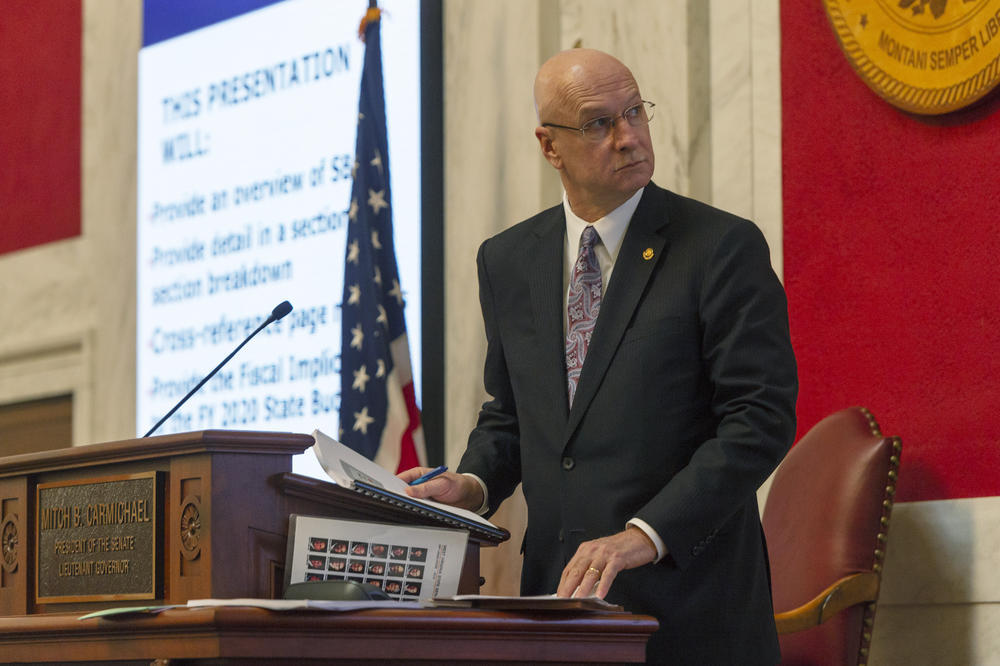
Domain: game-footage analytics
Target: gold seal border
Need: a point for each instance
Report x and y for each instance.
(925, 101)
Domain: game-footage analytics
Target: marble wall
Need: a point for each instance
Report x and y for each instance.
(940, 597)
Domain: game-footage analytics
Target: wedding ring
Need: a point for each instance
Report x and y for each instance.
(595, 571)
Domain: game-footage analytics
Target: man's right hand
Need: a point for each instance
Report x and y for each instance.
(448, 488)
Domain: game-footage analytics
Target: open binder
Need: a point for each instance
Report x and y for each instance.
(349, 469)
(485, 529)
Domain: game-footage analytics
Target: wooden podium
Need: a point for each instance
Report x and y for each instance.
(205, 515)
(216, 515)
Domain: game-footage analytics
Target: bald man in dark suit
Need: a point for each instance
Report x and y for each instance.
(642, 383)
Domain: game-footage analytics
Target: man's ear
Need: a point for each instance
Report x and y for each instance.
(544, 136)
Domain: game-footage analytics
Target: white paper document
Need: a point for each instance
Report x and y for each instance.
(301, 604)
(407, 563)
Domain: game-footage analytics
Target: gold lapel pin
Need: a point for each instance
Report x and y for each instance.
(647, 254)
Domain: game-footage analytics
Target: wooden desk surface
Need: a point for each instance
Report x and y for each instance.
(385, 636)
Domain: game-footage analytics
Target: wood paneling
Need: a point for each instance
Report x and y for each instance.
(36, 425)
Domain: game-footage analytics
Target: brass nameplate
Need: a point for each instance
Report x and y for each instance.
(97, 539)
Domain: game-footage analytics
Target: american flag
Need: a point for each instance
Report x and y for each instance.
(379, 417)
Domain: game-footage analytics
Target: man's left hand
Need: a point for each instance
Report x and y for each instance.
(597, 562)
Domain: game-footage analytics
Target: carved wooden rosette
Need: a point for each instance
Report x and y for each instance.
(9, 543)
(190, 528)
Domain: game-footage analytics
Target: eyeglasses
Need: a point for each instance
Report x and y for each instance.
(598, 129)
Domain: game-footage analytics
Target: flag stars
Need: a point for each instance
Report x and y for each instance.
(382, 317)
(396, 292)
(354, 170)
(353, 211)
(380, 368)
(362, 421)
(378, 276)
(375, 241)
(354, 297)
(357, 337)
(353, 250)
(377, 161)
(377, 200)
(361, 378)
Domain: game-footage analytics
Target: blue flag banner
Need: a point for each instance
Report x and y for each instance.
(379, 417)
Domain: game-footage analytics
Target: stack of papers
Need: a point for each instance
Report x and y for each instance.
(485, 602)
(542, 602)
(268, 604)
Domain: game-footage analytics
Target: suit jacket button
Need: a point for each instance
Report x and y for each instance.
(568, 463)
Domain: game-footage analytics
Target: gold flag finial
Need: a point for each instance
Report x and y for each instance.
(373, 14)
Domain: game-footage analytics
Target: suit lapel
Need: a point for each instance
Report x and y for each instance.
(545, 279)
(628, 281)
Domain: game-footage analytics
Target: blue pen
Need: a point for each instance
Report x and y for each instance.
(429, 475)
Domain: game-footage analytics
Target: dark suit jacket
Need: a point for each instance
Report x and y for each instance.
(685, 404)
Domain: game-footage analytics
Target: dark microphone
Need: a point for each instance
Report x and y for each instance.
(277, 313)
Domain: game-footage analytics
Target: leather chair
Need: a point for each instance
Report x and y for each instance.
(826, 521)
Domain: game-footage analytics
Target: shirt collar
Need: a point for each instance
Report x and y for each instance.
(611, 228)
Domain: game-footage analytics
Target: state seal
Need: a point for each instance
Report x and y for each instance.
(922, 56)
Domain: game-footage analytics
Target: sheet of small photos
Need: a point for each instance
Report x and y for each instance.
(407, 563)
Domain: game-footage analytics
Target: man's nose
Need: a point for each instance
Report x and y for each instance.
(625, 134)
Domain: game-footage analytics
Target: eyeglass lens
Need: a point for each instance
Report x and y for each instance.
(637, 115)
